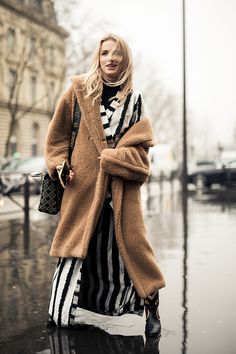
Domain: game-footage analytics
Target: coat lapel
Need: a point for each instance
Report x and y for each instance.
(92, 116)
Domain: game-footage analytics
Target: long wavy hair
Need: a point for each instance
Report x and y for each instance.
(94, 78)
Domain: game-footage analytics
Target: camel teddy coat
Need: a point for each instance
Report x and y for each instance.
(94, 164)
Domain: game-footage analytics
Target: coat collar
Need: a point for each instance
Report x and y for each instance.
(92, 116)
(140, 133)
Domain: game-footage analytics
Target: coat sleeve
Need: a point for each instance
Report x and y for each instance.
(58, 136)
(130, 163)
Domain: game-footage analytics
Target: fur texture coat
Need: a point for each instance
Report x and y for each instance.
(93, 164)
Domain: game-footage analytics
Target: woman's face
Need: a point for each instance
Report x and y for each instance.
(111, 60)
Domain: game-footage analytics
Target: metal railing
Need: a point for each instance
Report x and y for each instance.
(10, 188)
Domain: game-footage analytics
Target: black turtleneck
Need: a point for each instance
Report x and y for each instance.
(107, 93)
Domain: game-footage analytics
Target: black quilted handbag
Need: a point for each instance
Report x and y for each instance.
(51, 195)
(52, 190)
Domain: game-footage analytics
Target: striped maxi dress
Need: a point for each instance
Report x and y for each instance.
(99, 283)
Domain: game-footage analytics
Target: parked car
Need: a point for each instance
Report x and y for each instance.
(12, 179)
(227, 156)
(207, 177)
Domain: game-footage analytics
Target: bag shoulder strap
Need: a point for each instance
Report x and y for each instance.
(75, 128)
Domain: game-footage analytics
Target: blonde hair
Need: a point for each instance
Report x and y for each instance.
(94, 78)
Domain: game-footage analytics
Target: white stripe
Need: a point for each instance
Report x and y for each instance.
(109, 113)
(53, 285)
(70, 293)
(60, 288)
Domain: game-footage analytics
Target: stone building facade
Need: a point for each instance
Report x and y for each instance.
(32, 73)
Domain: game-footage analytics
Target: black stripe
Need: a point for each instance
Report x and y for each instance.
(137, 305)
(132, 120)
(103, 114)
(57, 284)
(127, 280)
(116, 275)
(121, 122)
(139, 108)
(112, 109)
(127, 284)
(104, 255)
(94, 262)
(135, 108)
(136, 112)
(106, 125)
(127, 306)
(88, 270)
(65, 289)
(109, 137)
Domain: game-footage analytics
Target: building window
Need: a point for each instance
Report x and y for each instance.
(32, 49)
(51, 55)
(33, 89)
(13, 139)
(38, 3)
(35, 139)
(1, 35)
(12, 82)
(51, 94)
(11, 40)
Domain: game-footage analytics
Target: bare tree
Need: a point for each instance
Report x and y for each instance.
(162, 107)
(84, 28)
(25, 57)
(15, 86)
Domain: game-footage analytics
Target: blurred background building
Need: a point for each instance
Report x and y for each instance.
(40, 51)
(32, 73)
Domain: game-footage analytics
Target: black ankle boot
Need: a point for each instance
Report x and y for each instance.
(50, 322)
(153, 323)
(152, 345)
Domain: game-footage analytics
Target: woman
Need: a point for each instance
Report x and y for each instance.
(106, 263)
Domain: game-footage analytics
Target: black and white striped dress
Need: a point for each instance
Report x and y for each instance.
(100, 283)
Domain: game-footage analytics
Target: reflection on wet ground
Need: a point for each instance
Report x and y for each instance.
(195, 244)
(86, 340)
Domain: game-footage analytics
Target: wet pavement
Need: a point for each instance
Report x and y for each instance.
(196, 250)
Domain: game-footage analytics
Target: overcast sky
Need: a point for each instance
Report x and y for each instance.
(153, 29)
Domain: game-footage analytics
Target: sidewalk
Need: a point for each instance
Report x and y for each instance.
(196, 253)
